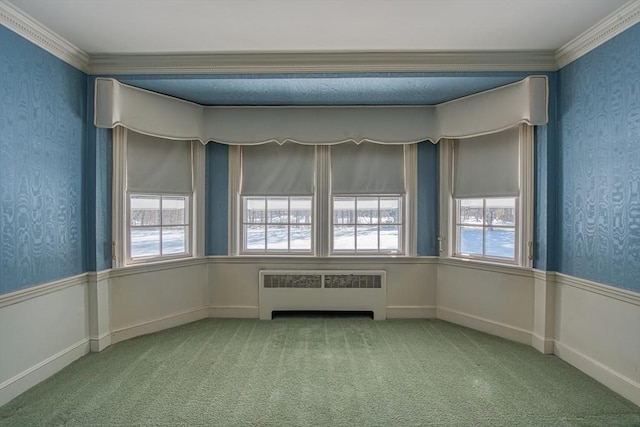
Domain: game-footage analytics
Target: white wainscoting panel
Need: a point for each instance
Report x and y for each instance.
(42, 330)
(411, 283)
(151, 298)
(495, 299)
(597, 329)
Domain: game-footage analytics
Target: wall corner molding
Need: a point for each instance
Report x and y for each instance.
(617, 22)
(22, 24)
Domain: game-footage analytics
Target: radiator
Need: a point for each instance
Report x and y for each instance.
(328, 290)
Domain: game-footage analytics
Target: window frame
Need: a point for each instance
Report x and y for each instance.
(120, 250)
(401, 224)
(484, 257)
(245, 251)
(322, 206)
(447, 238)
(154, 258)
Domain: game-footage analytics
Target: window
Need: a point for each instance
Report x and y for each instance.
(367, 224)
(159, 226)
(486, 197)
(277, 224)
(157, 209)
(345, 199)
(486, 228)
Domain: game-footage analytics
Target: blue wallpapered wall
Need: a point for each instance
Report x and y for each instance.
(42, 159)
(217, 203)
(599, 193)
(545, 193)
(99, 173)
(428, 196)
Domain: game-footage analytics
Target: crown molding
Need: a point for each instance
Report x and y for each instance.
(322, 62)
(22, 24)
(625, 17)
(318, 62)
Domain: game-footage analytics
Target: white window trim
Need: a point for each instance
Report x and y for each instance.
(322, 204)
(120, 205)
(524, 208)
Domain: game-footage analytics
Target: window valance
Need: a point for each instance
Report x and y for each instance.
(150, 113)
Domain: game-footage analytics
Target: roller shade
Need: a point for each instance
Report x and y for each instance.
(367, 169)
(278, 170)
(487, 166)
(157, 165)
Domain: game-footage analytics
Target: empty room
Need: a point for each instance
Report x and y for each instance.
(319, 212)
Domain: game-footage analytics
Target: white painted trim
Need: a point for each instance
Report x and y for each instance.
(410, 229)
(234, 312)
(543, 345)
(322, 62)
(624, 295)
(156, 325)
(40, 290)
(487, 266)
(27, 27)
(332, 260)
(318, 62)
(411, 312)
(20, 383)
(101, 342)
(156, 266)
(617, 382)
(617, 22)
(485, 325)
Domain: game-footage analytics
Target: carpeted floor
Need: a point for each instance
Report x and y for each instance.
(319, 370)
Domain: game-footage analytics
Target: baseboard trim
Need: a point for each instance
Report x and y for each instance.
(237, 312)
(123, 334)
(411, 312)
(101, 342)
(20, 383)
(617, 382)
(544, 346)
(485, 325)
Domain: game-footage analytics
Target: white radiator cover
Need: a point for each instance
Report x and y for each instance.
(334, 290)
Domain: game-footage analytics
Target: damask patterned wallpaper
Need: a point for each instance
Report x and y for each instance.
(42, 161)
(599, 127)
(217, 205)
(428, 194)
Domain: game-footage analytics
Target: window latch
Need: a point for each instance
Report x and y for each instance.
(113, 250)
(530, 245)
(440, 244)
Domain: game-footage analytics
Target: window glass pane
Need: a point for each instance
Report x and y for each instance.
(390, 237)
(301, 210)
(501, 212)
(277, 210)
(174, 240)
(277, 237)
(470, 211)
(301, 237)
(344, 209)
(367, 237)
(500, 242)
(470, 240)
(344, 238)
(254, 210)
(390, 211)
(367, 210)
(145, 242)
(145, 210)
(173, 210)
(254, 237)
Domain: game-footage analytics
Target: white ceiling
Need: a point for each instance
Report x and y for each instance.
(218, 26)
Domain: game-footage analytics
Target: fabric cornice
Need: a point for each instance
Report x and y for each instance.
(150, 113)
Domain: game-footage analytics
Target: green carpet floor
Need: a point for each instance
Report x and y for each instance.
(319, 370)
